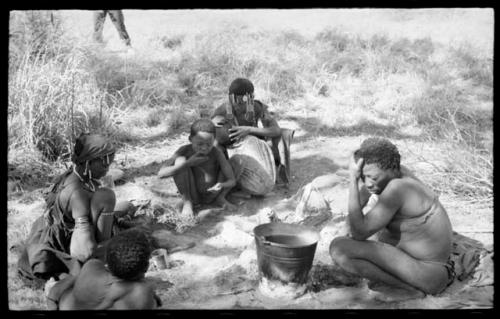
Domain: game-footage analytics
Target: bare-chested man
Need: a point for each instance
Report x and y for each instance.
(415, 233)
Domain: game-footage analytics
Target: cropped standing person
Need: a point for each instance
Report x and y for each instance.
(118, 20)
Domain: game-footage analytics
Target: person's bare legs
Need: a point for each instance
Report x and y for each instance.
(99, 18)
(102, 205)
(185, 183)
(382, 262)
(221, 200)
(118, 20)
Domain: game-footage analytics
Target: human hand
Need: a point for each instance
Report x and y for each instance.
(238, 132)
(82, 244)
(217, 187)
(157, 299)
(219, 121)
(197, 159)
(48, 285)
(356, 168)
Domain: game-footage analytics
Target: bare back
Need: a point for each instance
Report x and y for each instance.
(97, 289)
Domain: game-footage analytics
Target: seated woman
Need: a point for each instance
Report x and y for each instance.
(78, 215)
(237, 119)
(414, 243)
(116, 284)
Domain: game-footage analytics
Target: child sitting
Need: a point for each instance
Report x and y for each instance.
(118, 284)
(201, 172)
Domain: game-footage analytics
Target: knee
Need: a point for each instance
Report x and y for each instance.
(103, 199)
(180, 160)
(123, 208)
(338, 249)
(435, 285)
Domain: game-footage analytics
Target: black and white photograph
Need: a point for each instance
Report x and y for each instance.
(250, 159)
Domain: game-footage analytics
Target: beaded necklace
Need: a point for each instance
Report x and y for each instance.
(89, 184)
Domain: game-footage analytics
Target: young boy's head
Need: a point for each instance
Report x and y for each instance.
(381, 163)
(128, 253)
(202, 135)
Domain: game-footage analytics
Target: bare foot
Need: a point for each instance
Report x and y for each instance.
(224, 203)
(48, 285)
(386, 293)
(178, 205)
(187, 210)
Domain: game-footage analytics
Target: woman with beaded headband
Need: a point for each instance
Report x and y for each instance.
(237, 119)
(78, 215)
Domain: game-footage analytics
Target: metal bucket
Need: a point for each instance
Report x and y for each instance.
(285, 252)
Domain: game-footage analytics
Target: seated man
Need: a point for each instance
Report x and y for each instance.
(238, 118)
(118, 284)
(415, 234)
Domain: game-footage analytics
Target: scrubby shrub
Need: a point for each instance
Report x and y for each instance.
(290, 38)
(472, 66)
(348, 65)
(44, 96)
(35, 35)
(423, 48)
(155, 117)
(177, 119)
(377, 42)
(336, 39)
(172, 42)
(286, 83)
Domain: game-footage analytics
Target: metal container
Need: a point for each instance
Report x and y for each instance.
(285, 252)
(160, 259)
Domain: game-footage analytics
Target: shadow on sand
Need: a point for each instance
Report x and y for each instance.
(315, 128)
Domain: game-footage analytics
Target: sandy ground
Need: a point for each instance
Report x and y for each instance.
(221, 272)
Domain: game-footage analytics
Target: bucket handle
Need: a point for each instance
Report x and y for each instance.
(267, 242)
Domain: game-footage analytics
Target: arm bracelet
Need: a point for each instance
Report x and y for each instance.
(82, 223)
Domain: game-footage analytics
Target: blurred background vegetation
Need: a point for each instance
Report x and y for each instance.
(332, 82)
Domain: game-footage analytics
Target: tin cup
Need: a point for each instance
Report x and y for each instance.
(160, 258)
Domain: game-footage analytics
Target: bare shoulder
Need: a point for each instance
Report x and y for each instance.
(78, 196)
(185, 150)
(220, 110)
(396, 185)
(217, 153)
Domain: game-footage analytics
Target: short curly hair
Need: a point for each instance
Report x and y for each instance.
(380, 151)
(202, 125)
(128, 253)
